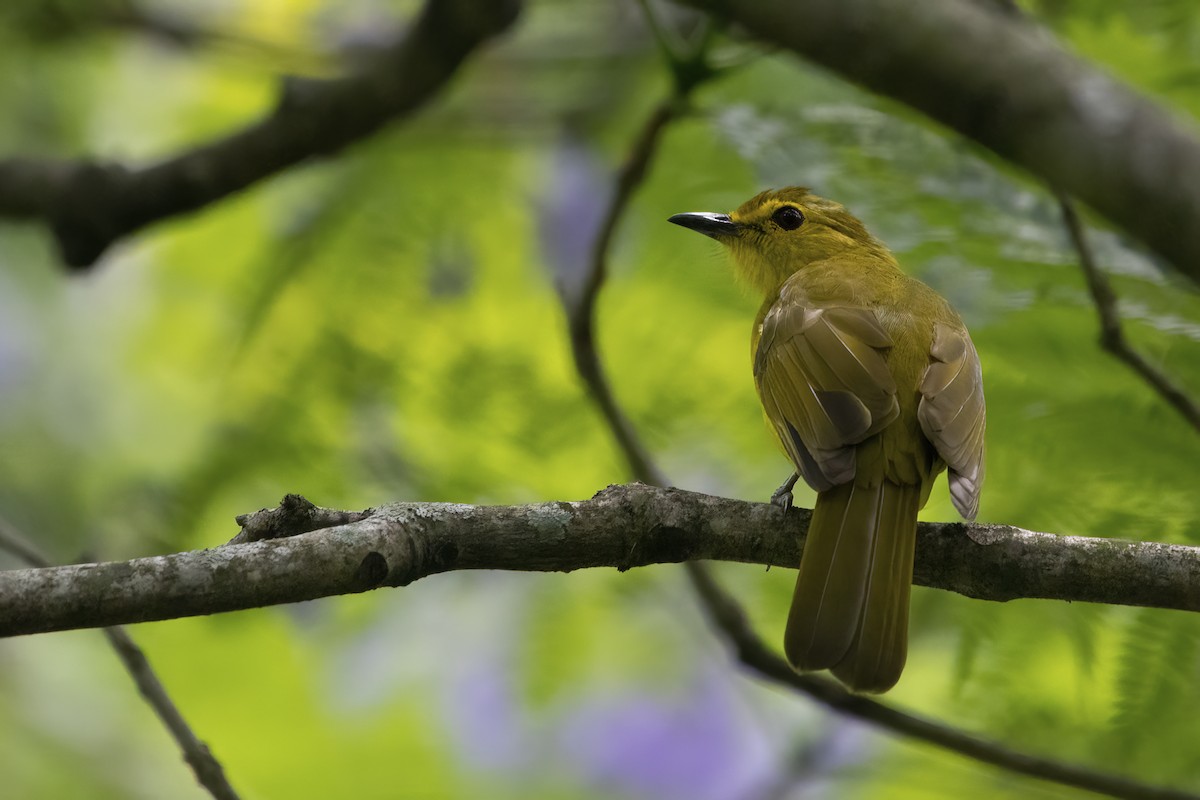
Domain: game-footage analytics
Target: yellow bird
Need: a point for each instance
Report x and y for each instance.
(873, 386)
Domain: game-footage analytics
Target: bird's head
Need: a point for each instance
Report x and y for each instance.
(780, 231)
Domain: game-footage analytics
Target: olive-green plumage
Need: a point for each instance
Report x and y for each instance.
(873, 386)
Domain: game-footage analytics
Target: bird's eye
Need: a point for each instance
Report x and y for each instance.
(788, 217)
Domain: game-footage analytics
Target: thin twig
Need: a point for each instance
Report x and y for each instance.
(688, 72)
(581, 315)
(208, 771)
(17, 545)
(665, 38)
(728, 617)
(721, 608)
(1112, 334)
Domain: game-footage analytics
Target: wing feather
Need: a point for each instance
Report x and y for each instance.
(824, 381)
(951, 413)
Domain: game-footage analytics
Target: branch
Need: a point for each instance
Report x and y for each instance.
(622, 527)
(721, 608)
(1014, 90)
(727, 616)
(688, 73)
(204, 764)
(90, 205)
(581, 315)
(1112, 335)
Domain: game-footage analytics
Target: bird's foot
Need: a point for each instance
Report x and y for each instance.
(782, 496)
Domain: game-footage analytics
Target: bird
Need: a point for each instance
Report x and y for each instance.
(873, 387)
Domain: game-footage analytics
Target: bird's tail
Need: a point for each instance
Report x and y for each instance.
(850, 608)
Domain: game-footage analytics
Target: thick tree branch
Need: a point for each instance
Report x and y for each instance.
(205, 767)
(90, 205)
(1013, 89)
(622, 527)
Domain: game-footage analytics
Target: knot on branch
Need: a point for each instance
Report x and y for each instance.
(372, 571)
(294, 515)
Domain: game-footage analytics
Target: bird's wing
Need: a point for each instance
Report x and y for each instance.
(951, 413)
(825, 384)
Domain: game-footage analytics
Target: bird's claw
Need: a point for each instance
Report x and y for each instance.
(782, 496)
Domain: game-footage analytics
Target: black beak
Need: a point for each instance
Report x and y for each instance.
(718, 226)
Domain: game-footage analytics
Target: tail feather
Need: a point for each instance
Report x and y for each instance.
(850, 607)
(876, 658)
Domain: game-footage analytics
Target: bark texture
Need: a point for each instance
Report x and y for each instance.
(622, 527)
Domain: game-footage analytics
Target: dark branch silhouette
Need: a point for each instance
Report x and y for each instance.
(91, 204)
(1012, 88)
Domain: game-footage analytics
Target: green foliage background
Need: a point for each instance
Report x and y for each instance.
(385, 326)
